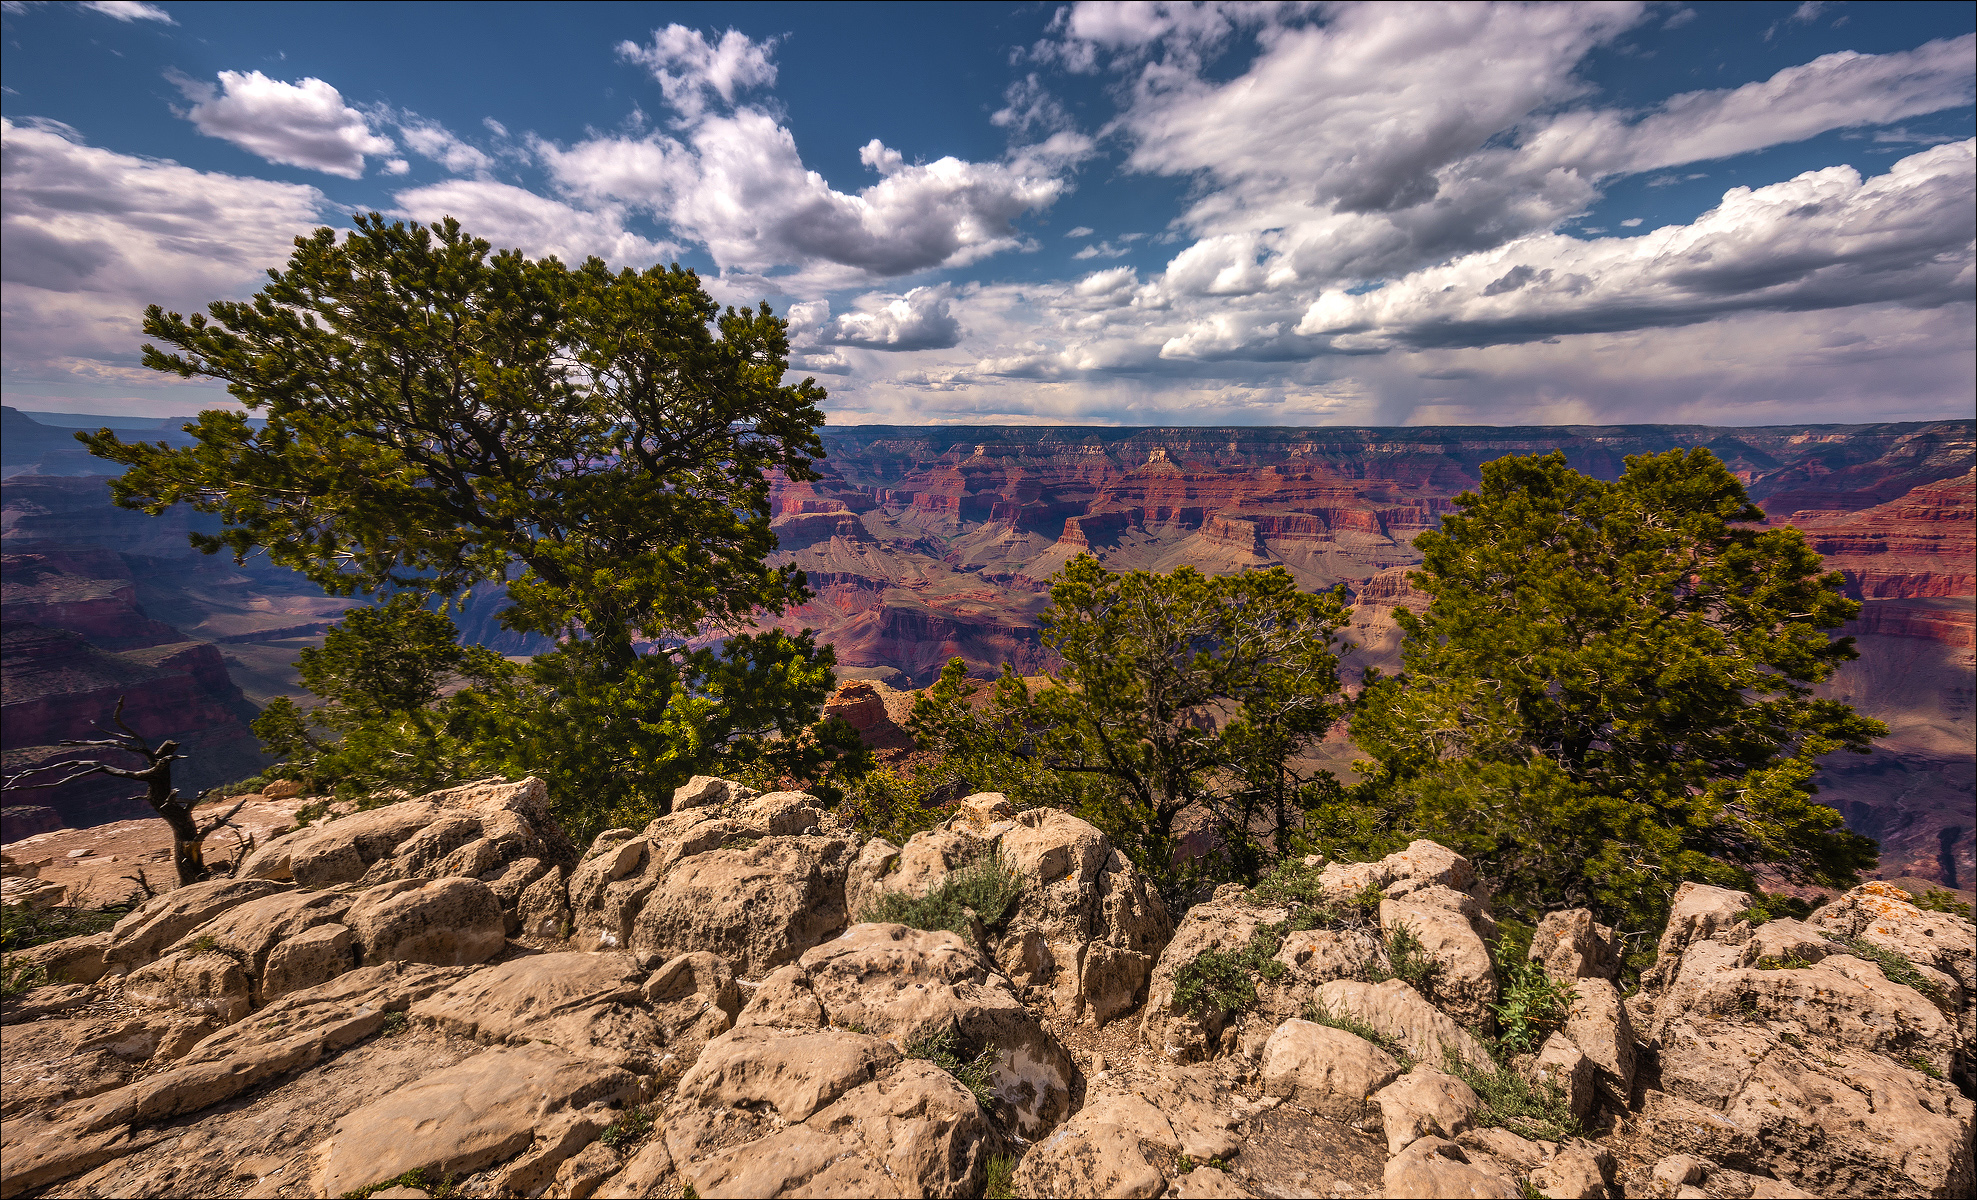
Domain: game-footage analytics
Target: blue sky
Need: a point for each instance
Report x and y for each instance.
(1132, 213)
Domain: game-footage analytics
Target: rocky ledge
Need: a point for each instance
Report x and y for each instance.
(445, 995)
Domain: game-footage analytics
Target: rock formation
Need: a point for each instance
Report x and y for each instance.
(443, 993)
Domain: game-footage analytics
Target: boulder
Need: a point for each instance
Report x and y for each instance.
(1579, 1171)
(1087, 928)
(1330, 1071)
(1825, 1117)
(1564, 1066)
(1127, 1139)
(1466, 985)
(1776, 943)
(1421, 1103)
(911, 986)
(199, 981)
(316, 955)
(251, 932)
(498, 832)
(446, 922)
(758, 905)
(705, 791)
(590, 1005)
(1398, 1012)
(1598, 1025)
(1224, 923)
(1698, 913)
(464, 1117)
(738, 878)
(148, 931)
(765, 1112)
(1571, 945)
(1317, 956)
(74, 960)
(1435, 1168)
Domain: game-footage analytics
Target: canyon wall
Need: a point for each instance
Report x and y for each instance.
(926, 543)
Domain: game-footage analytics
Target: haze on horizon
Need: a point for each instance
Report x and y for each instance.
(1142, 214)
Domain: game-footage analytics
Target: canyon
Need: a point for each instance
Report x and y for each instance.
(927, 543)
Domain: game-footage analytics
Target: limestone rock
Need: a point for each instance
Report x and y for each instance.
(202, 982)
(1563, 1065)
(543, 908)
(1122, 1141)
(590, 1005)
(1571, 945)
(1699, 912)
(464, 1117)
(1437, 1169)
(1332, 1072)
(765, 1112)
(251, 932)
(147, 932)
(1466, 985)
(694, 999)
(1598, 1025)
(1580, 1171)
(447, 922)
(316, 955)
(1421, 1103)
(1322, 955)
(75, 960)
(1398, 1011)
(1776, 942)
(1223, 923)
(909, 985)
(705, 791)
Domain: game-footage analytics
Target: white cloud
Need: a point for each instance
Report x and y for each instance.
(513, 218)
(304, 124)
(688, 67)
(1826, 239)
(918, 320)
(1028, 105)
(430, 139)
(92, 236)
(1079, 231)
(129, 10)
(737, 184)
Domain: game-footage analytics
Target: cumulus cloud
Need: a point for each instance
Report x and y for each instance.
(514, 218)
(1826, 239)
(737, 184)
(304, 124)
(918, 320)
(91, 237)
(689, 67)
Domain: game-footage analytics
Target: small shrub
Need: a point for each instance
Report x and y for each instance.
(885, 804)
(1408, 960)
(1534, 1006)
(17, 978)
(394, 1024)
(313, 811)
(943, 1049)
(1917, 1063)
(1291, 882)
(1318, 1013)
(439, 1187)
(1944, 901)
(1791, 1039)
(1790, 962)
(1530, 1110)
(21, 926)
(1776, 906)
(1225, 980)
(1898, 967)
(204, 944)
(627, 1130)
(988, 886)
(1001, 1178)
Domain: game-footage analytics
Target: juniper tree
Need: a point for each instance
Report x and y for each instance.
(438, 416)
(1610, 690)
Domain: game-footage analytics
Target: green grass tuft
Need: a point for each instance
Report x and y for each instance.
(977, 1074)
(1001, 1178)
(1530, 1110)
(627, 1130)
(1408, 960)
(1533, 1007)
(1898, 967)
(1318, 1013)
(989, 886)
